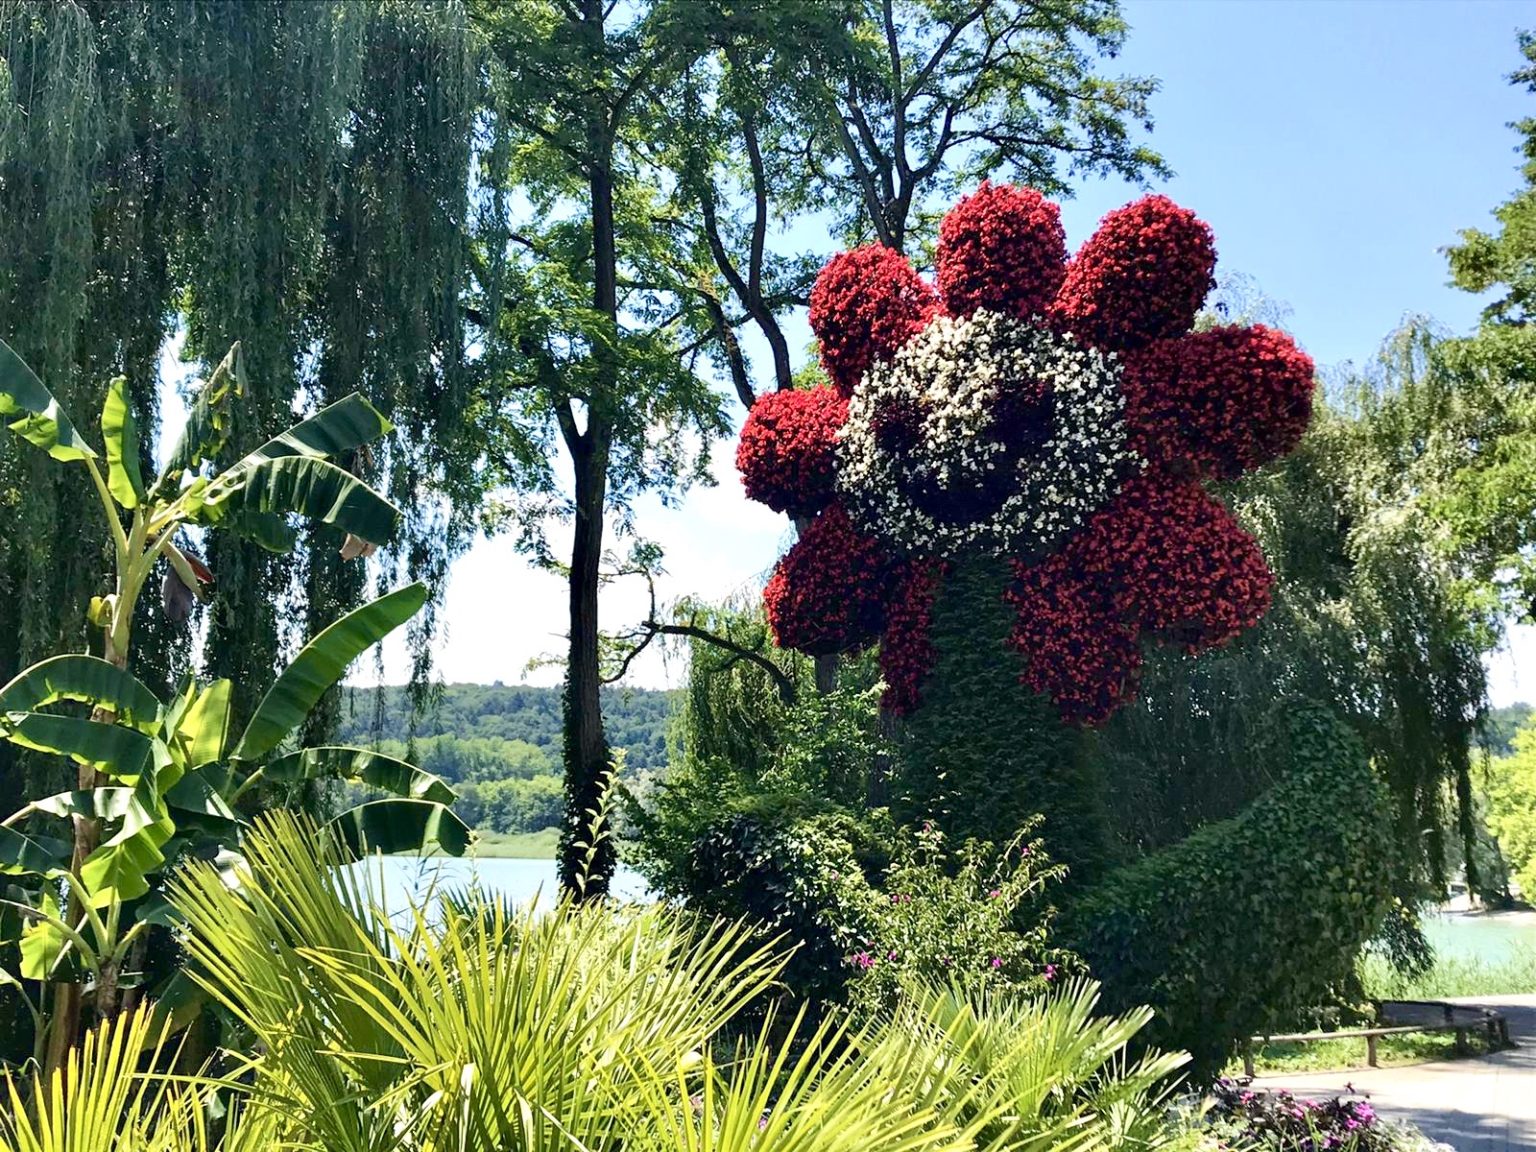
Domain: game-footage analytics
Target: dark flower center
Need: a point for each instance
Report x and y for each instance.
(1025, 417)
(897, 425)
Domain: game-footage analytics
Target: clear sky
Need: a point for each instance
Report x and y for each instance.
(1333, 146)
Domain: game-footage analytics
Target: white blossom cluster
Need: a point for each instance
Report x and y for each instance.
(960, 487)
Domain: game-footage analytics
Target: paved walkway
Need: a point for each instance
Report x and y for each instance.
(1487, 1104)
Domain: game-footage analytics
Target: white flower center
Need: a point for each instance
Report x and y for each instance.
(984, 434)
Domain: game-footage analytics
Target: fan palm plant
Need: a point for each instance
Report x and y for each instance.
(471, 1027)
(101, 1100)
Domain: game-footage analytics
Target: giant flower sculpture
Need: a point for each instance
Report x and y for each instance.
(1062, 413)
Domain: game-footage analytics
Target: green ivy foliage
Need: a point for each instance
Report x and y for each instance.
(1255, 916)
(982, 756)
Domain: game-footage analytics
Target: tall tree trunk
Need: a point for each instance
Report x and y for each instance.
(587, 867)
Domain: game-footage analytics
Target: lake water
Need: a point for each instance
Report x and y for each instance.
(404, 880)
(1489, 937)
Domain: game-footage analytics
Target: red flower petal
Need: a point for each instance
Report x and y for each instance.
(1142, 276)
(1223, 401)
(866, 304)
(906, 648)
(1002, 249)
(1077, 653)
(827, 593)
(1166, 559)
(785, 454)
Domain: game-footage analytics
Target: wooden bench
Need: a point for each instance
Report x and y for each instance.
(1438, 1015)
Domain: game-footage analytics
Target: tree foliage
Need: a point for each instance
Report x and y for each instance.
(1511, 808)
(292, 175)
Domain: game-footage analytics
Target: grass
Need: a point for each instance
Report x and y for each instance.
(538, 845)
(1452, 976)
(1340, 1055)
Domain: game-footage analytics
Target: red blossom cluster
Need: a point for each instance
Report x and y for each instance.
(906, 647)
(866, 304)
(1141, 277)
(1164, 558)
(828, 592)
(785, 455)
(1002, 249)
(1221, 401)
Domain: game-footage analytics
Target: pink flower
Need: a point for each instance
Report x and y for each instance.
(1050, 972)
(994, 894)
(997, 961)
(863, 960)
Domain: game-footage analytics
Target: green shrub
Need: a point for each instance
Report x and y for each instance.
(979, 916)
(1255, 916)
(799, 878)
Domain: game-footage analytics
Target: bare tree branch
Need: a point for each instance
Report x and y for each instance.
(651, 627)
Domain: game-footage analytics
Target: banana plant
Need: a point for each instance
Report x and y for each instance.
(171, 774)
(150, 772)
(294, 473)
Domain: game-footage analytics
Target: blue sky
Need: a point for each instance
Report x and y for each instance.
(1334, 147)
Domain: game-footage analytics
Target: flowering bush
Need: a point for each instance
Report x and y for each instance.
(977, 917)
(1280, 1122)
(1058, 413)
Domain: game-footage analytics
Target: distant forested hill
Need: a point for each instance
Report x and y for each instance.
(500, 746)
(637, 719)
(1501, 725)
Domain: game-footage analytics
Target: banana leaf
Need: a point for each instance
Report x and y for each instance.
(331, 762)
(42, 941)
(207, 426)
(349, 423)
(35, 855)
(401, 826)
(41, 421)
(119, 871)
(321, 663)
(203, 732)
(120, 752)
(305, 485)
(88, 680)
(120, 432)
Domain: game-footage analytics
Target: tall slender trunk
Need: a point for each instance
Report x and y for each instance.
(586, 868)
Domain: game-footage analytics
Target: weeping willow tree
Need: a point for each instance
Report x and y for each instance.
(1369, 617)
(296, 176)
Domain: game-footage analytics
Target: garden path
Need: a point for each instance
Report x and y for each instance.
(1487, 1104)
